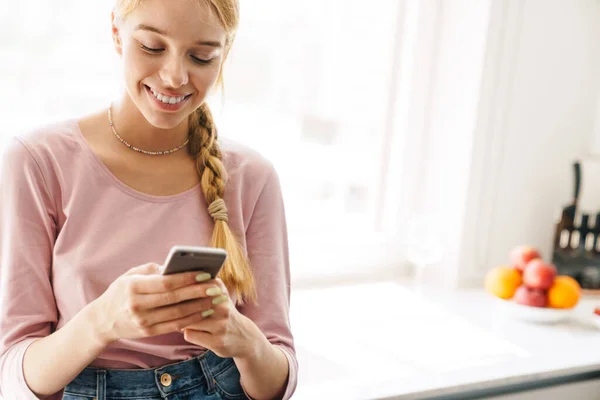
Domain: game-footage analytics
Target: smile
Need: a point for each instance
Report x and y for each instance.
(166, 99)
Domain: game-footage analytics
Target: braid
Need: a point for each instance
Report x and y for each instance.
(236, 273)
(208, 156)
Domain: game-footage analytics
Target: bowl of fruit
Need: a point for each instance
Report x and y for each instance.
(529, 288)
(596, 316)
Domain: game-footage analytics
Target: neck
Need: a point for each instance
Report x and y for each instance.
(133, 127)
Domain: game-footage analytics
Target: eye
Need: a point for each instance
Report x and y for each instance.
(160, 50)
(150, 49)
(201, 61)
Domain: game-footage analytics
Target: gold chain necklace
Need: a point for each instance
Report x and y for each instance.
(150, 153)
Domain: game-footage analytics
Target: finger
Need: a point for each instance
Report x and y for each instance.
(173, 312)
(156, 301)
(199, 338)
(221, 301)
(210, 323)
(175, 325)
(197, 291)
(166, 283)
(214, 323)
(146, 269)
(220, 283)
(207, 324)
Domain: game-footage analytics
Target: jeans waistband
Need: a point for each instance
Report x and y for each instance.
(148, 383)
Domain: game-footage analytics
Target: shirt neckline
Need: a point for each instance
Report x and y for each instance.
(193, 191)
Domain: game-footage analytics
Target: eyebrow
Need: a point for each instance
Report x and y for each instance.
(163, 33)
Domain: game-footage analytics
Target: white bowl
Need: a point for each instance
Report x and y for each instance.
(596, 319)
(533, 314)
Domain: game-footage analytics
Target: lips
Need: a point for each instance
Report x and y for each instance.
(167, 98)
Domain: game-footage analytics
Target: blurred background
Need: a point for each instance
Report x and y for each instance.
(436, 134)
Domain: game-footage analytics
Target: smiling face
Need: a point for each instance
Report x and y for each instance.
(172, 52)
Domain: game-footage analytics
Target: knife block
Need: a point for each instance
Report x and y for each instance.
(576, 247)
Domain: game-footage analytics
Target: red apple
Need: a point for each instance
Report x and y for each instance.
(530, 297)
(539, 275)
(597, 311)
(520, 256)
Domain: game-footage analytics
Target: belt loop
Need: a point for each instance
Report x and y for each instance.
(101, 384)
(210, 381)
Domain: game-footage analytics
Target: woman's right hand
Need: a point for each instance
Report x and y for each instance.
(143, 303)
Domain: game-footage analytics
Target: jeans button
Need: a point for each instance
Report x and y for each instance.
(166, 380)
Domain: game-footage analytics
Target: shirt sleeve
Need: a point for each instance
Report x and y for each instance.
(27, 235)
(267, 244)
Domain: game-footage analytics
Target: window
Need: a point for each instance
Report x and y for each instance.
(308, 84)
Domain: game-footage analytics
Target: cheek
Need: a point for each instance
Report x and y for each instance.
(205, 79)
(136, 67)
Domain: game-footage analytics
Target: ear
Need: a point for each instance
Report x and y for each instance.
(115, 33)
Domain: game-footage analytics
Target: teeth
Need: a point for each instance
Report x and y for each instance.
(167, 99)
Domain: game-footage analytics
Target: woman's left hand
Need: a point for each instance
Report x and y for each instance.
(226, 331)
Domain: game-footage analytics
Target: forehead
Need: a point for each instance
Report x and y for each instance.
(188, 20)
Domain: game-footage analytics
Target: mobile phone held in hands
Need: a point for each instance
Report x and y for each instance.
(193, 258)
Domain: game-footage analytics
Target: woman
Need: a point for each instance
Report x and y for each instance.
(83, 201)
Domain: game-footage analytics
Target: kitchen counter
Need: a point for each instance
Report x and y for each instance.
(383, 341)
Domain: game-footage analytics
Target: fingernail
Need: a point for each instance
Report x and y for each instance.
(219, 300)
(208, 313)
(203, 277)
(213, 291)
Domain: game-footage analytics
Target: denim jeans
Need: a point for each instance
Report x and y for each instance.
(207, 377)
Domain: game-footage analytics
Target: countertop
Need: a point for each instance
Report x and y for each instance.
(384, 341)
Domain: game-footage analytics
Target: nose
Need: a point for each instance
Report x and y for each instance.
(174, 73)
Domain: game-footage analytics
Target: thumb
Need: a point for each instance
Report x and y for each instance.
(145, 269)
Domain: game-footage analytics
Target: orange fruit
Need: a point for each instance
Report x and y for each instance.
(502, 281)
(564, 293)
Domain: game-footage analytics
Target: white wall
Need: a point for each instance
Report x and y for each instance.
(537, 115)
(510, 102)
(462, 29)
(595, 141)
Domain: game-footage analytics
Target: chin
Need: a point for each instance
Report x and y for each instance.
(161, 119)
(164, 121)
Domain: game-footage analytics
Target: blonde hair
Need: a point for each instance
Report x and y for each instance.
(204, 147)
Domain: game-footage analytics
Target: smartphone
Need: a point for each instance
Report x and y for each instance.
(192, 258)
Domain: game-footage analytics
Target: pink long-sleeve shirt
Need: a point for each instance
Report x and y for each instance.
(69, 228)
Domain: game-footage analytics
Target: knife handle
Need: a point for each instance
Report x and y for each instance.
(577, 181)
